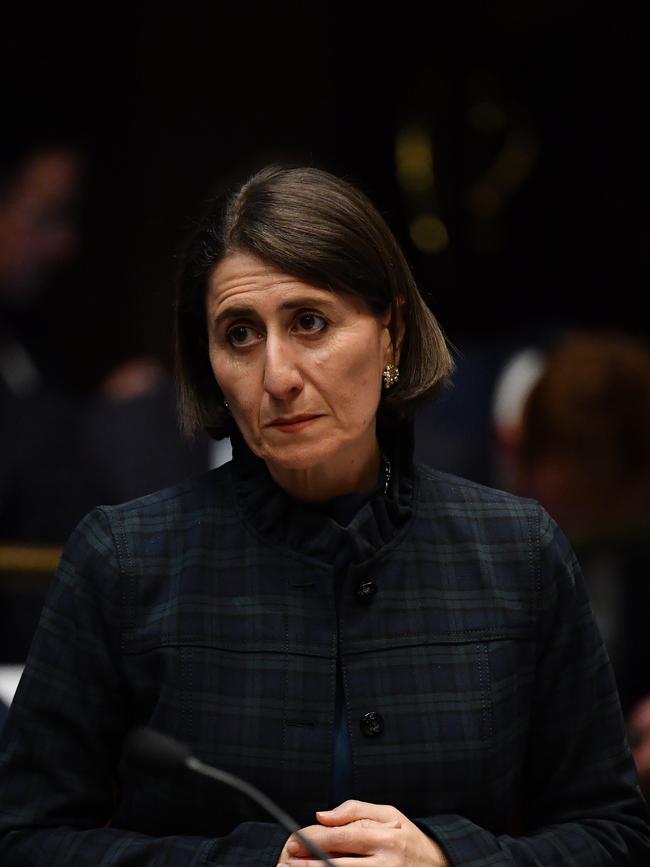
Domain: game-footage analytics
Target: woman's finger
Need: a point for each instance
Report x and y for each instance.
(351, 811)
(343, 861)
(362, 837)
(323, 837)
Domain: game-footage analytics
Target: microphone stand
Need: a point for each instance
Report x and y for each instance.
(282, 818)
(154, 750)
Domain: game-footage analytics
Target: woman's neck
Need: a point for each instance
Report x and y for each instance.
(343, 474)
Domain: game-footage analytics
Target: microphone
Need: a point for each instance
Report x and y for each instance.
(155, 751)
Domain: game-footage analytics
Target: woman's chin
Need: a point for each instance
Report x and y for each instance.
(296, 458)
(326, 454)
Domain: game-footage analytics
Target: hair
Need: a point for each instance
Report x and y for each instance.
(591, 409)
(322, 230)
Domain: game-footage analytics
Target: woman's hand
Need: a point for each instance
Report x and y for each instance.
(358, 834)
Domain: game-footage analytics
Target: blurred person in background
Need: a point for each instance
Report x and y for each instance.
(60, 453)
(39, 425)
(131, 442)
(583, 451)
(38, 191)
(41, 484)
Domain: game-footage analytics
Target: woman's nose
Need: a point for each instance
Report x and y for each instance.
(282, 377)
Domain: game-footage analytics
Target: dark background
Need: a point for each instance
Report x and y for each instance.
(536, 113)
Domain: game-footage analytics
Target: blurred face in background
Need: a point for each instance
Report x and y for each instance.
(37, 231)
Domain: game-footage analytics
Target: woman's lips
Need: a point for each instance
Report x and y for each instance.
(291, 425)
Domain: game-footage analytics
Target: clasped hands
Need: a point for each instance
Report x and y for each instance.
(358, 834)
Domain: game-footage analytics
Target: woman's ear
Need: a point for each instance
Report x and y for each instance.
(397, 327)
(393, 322)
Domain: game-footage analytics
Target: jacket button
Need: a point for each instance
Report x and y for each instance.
(372, 724)
(366, 589)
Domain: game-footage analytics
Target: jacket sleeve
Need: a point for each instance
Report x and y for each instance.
(580, 801)
(63, 739)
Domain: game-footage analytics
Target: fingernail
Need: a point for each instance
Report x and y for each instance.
(293, 847)
(323, 812)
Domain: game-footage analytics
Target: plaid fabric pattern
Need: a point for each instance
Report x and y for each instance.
(500, 732)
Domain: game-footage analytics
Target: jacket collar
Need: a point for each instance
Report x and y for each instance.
(269, 512)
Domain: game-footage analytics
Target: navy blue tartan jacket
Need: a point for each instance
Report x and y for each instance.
(208, 611)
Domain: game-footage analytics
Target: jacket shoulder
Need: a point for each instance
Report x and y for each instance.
(444, 488)
(208, 493)
(455, 508)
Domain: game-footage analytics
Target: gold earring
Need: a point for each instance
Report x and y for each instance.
(391, 375)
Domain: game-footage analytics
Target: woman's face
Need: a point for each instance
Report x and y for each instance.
(300, 367)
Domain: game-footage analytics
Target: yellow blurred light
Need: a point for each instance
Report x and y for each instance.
(429, 234)
(414, 158)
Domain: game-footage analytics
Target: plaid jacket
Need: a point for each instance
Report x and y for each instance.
(208, 612)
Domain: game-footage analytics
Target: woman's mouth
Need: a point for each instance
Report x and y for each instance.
(292, 424)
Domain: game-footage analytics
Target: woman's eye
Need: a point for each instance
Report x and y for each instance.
(242, 335)
(311, 322)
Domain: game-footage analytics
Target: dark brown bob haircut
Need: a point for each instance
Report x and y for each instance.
(322, 230)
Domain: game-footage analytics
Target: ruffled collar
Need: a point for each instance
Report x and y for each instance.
(269, 512)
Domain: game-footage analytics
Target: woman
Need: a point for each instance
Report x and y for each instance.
(405, 651)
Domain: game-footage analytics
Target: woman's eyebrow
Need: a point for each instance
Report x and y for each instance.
(305, 301)
(233, 313)
(289, 304)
